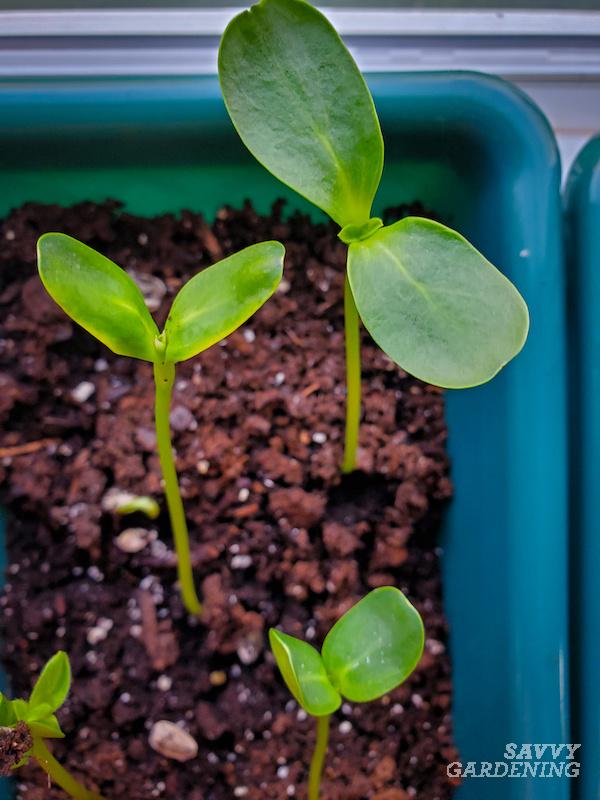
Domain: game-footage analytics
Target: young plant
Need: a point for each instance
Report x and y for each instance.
(429, 299)
(104, 300)
(370, 650)
(26, 723)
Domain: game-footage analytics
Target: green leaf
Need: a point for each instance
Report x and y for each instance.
(97, 294)
(46, 728)
(52, 687)
(301, 106)
(375, 646)
(8, 716)
(21, 709)
(219, 299)
(304, 674)
(435, 305)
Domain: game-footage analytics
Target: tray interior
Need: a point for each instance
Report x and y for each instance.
(476, 151)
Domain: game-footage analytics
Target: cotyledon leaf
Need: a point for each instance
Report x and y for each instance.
(435, 305)
(52, 687)
(375, 646)
(97, 294)
(302, 107)
(302, 669)
(219, 299)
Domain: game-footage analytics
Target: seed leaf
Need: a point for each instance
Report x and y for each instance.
(304, 674)
(219, 299)
(301, 106)
(435, 305)
(46, 728)
(7, 712)
(52, 687)
(97, 294)
(375, 646)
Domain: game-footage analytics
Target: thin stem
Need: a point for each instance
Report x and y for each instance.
(164, 376)
(352, 332)
(59, 774)
(316, 764)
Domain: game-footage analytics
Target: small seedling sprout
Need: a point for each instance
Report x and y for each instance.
(370, 651)
(430, 300)
(104, 300)
(34, 720)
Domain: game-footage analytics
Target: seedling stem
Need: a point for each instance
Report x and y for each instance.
(164, 376)
(59, 774)
(318, 758)
(352, 335)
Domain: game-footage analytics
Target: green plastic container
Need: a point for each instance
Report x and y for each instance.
(583, 218)
(476, 150)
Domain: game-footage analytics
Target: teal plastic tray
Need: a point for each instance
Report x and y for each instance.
(583, 229)
(476, 150)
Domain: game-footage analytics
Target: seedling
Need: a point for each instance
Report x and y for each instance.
(430, 300)
(104, 300)
(370, 650)
(28, 722)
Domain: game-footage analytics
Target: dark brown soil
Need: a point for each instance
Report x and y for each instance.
(14, 744)
(278, 537)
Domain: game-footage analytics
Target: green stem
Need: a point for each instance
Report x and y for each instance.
(352, 332)
(164, 376)
(316, 764)
(59, 774)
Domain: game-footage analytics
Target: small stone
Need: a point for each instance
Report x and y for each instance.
(249, 335)
(134, 540)
(218, 678)
(241, 562)
(345, 727)
(164, 683)
(182, 419)
(151, 287)
(172, 741)
(83, 391)
(250, 647)
(319, 437)
(240, 791)
(96, 635)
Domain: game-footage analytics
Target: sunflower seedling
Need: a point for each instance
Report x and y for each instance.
(430, 300)
(24, 724)
(370, 650)
(104, 300)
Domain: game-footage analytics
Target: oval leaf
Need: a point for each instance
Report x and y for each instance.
(304, 674)
(435, 305)
(375, 646)
(7, 712)
(52, 687)
(46, 727)
(301, 106)
(219, 299)
(97, 294)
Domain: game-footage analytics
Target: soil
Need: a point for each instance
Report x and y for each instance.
(279, 538)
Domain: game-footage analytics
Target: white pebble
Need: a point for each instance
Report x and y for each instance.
(319, 437)
(164, 683)
(345, 726)
(83, 391)
(134, 540)
(96, 635)
(249, 335)
(241, 562)
(243, 495)
(172, 741)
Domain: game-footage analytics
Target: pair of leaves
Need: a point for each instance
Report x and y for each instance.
(104, 299)
(372, 649)
(431, 301)
(47, 696)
